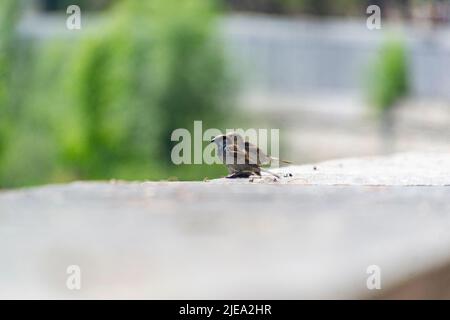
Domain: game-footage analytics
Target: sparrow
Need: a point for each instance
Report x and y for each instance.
(242, 158)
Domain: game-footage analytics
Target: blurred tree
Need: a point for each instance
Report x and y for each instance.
(388, 83)
(156, 69)
(9, 11)
(103, 105)
(389, 76)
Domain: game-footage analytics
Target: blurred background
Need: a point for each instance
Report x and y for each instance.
(101, 102)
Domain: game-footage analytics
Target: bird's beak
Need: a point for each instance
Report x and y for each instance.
(213, 139)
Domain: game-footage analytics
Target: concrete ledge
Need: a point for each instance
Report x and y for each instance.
(229, 240)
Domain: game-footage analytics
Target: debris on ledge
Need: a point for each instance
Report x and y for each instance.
(409, 169)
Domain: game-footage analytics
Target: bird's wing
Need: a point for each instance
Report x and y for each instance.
(255, 155)
(233, 155)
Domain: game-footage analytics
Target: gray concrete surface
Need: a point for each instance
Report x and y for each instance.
(407, 169)
(312, 235)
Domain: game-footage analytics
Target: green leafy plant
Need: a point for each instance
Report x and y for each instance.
(103, 105)
(389, 76)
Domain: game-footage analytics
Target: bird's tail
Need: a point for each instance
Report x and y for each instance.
(269, 172)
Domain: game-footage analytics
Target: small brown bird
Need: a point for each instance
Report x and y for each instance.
(242, 158)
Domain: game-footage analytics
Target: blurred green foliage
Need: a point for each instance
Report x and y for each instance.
(9, 10)
(103, 105)
(53, 5)
(310, 7)
(5, 57)
(388, 77)
(324, 7)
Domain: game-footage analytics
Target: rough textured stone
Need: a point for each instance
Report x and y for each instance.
(288, 239)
